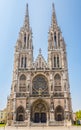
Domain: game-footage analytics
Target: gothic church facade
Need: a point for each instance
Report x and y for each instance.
(40, 91)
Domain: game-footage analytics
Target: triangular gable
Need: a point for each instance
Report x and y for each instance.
(40, 62)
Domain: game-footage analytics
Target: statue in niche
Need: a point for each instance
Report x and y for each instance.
(28, 87)
(26, 116)
(52, 104)
(40, 91)
(27, 103)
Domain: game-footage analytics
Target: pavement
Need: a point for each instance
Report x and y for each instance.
(42, 128)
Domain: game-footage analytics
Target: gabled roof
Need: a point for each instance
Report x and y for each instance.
(40, 61)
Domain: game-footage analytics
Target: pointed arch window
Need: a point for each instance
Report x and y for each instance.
(25, 64)
(58, 61)
(57, 77)
(55, 39)
(54, 61)
(25, 38)
(58, 39)
(28, 41)
(22, 77)
(22, 61)
(22, 82)
(57, 82)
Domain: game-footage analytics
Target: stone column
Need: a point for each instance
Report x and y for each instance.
(14, 108)
(28, 118)
(52, 116)
(47, 119)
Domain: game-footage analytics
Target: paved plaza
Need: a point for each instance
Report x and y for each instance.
(42, 128)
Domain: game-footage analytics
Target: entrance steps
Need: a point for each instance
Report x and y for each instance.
(41, 128)
(20, 124)
(38, 124)
(51, 123)
(56, 123)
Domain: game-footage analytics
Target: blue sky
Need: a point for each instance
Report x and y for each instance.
(69, 19)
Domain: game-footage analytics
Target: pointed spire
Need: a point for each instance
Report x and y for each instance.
(54, 19)
(27, 12)
(26, 21)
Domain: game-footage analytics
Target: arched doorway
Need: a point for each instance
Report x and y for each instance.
(59, 113)
(20, 114)
(39, 112)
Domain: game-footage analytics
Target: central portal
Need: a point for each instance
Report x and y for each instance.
(40, 118)
(39, 112)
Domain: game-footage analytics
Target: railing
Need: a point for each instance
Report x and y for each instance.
(35, 68)
(21, 94)
(32, 95)
(58, 94)
(56, 68)
(37, 95)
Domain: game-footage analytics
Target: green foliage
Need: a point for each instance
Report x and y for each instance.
(78, 115)
(2, 125)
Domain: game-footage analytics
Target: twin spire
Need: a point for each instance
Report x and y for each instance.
(26, 21)
(54, 19)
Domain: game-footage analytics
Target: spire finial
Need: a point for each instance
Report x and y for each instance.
(54, 19)
(53, 7)
(27, 12)
(26, 22)
(40, 51)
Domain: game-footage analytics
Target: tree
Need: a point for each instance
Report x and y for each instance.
(78, 115)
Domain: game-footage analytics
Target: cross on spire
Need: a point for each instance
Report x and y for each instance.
(40, 51)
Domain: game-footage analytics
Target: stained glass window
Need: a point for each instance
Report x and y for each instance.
(40, 84)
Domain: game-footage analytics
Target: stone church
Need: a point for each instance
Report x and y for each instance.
(40, 90)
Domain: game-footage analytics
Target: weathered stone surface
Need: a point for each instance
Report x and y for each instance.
(40, 91)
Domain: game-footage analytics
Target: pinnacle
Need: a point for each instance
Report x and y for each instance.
(26, 21)
(54, 19)
(53, 7)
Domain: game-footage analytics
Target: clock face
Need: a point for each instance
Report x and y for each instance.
(39, 82)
